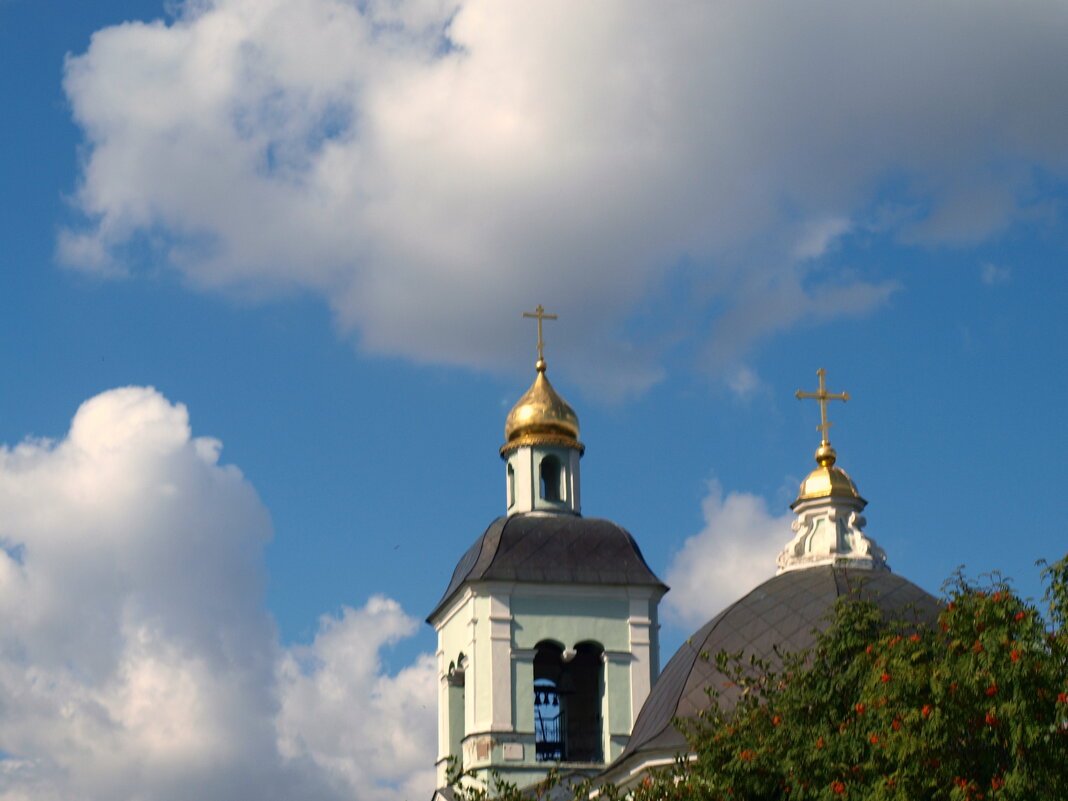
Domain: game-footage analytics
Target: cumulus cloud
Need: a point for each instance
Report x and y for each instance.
(734, 552)
(432, 167)
(137, 660)
(388, 734)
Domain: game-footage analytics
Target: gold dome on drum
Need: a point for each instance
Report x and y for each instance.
(827, 480)
(541, 417)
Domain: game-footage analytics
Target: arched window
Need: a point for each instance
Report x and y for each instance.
(457, 698)
(568, 690)
(552, 479)
(548, 713)
(584, 680)
(511, 486)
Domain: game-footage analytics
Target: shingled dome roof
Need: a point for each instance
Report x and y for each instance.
(785, 612)
(552, 548)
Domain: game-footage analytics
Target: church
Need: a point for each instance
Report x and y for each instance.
(548, 651)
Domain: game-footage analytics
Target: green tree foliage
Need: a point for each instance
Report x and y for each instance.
(974, 707)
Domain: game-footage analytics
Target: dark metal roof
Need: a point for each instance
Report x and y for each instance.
(553, 549)
(784, 611)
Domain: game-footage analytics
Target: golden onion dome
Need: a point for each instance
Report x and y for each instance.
(827, 480)
(541, 417)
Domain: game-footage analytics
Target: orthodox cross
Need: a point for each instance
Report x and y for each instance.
(539, 314)
(822, 396)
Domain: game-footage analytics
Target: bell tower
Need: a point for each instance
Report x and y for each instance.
(548, 630)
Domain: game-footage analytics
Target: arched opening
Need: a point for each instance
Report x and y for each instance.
(457, 699)
(585, 672)
(568, 686)
(548, 712)
(511, 486)
(552, 479)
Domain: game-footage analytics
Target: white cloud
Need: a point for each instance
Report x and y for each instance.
(772, 301)
(137, 660)
(431, 168)
(992, 275)
(819, 236)
(341, 713)
(743, 381)
(733, 553)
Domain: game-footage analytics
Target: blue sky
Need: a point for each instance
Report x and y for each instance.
(316, 225)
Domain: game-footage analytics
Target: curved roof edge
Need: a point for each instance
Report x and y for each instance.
(552, 549)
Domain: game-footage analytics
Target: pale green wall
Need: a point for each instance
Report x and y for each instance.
(570, 621)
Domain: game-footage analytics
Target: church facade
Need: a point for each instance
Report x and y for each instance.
(547, 631)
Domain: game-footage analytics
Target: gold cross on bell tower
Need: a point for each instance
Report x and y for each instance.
(822, 396)
(539, 314)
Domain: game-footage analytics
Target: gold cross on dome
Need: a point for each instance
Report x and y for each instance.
(539, 314)
(822, 396)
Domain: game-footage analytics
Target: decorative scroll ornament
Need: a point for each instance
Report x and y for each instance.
(831, 533)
